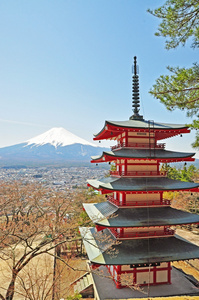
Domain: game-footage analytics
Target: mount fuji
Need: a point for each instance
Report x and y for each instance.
(57, 137)
(56, 146)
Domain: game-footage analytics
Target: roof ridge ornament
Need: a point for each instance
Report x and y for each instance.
(135, 93)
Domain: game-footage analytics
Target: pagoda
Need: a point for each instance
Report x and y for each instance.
(134, 229)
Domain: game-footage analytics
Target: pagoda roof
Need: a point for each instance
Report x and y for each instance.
(114, 128)
(108, 215)
(159, 154)
(102, 248)
(144, 184)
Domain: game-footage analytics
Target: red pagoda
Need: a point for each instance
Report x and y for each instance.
(133, 231)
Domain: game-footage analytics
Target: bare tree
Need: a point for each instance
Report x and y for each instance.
(34, 220)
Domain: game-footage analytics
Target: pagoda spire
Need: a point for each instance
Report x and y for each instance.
(135, 93)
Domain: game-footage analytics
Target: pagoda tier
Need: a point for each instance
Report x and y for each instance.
(104, 249)
(160, 155)
(141, 184)
(108, 215)
(134, 231)
(142, 130)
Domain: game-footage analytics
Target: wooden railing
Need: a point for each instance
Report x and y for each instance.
(146, 203)
(138, 173)
(140, 234)
(139, 145)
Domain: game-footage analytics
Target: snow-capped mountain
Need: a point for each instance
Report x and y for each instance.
(57, 136)
(56, 146)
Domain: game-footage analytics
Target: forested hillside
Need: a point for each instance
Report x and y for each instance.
(187, 201)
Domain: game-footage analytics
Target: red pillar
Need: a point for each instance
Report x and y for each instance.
(134, 276)
(158, 168)
(169, 272)
(124, 199)
(154, 274)
(118, 283)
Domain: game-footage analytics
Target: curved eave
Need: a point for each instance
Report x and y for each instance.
(141, 184)
(106, 214)
(112, 129)
(159, 155)
(134, 251)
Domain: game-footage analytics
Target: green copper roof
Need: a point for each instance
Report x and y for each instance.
(142, 124)
(141, 184)
(107, 214)
(145, 153)
(136, 251)
(145, 124)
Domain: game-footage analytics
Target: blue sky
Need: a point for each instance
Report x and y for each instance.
(68, 64)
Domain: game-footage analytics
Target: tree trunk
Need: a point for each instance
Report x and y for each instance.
(11, 288)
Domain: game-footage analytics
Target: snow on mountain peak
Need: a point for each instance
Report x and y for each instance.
(57, 136)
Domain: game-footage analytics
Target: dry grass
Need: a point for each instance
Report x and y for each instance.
(186, 267)
(66, 275)
(37, 276)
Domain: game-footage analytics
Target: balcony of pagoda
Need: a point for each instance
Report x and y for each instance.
(148, 203)
(166, 232)
(138, 173)
(138, 145)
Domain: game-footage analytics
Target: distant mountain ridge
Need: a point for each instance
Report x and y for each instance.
(56, 146)
(57, 136)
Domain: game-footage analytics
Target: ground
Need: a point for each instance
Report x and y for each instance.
(37, 277)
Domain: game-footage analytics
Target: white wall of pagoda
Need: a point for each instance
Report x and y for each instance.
(142, 139)
(137, 199)
(143, 275)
